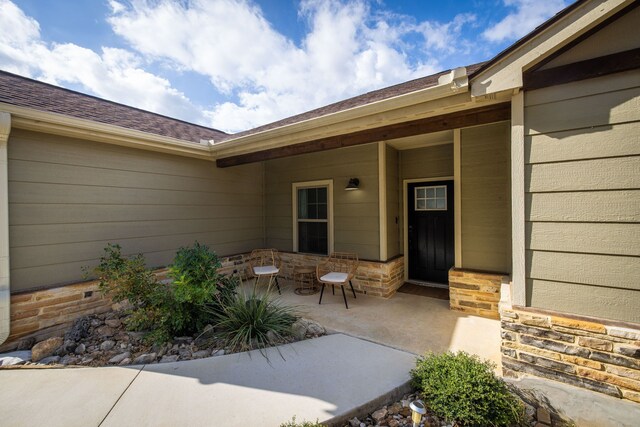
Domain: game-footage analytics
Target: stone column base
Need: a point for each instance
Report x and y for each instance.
(475, 292)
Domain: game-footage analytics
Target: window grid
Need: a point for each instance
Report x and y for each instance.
(430, 198)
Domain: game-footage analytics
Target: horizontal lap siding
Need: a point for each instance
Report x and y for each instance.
(68, 198)
(356, 213)
(582, 201)
(486, 199)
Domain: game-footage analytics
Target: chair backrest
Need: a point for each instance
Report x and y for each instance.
(263, 257)
(343, 262)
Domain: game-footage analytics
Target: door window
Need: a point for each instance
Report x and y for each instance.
(430, 198)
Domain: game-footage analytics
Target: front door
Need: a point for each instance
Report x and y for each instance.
(430, 230)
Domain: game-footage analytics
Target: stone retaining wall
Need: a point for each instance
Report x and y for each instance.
(380, 279)
(49, 312)
(475, 292)
(581, 353)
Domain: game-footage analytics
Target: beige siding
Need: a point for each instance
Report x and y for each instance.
(582, 183)
(417, 163)
(486, 201)
(428, 162)
(393, 203)
(68, 198)
(356, 213)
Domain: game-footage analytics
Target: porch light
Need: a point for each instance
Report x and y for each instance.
(417, 411)
(353, 184)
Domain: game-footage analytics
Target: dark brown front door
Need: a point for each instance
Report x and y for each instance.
(430, 230)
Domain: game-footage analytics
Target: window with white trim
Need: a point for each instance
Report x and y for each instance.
(312, 217)
(431, 198)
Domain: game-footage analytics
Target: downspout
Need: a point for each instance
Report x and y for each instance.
(5, 129)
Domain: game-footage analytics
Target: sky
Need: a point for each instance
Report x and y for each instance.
(237, 64)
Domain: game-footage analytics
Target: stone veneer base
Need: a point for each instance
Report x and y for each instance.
(475, 292)
(46, 313)
(42, 314)
(582, 353)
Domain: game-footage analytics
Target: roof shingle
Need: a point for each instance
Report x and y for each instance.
(24, 92)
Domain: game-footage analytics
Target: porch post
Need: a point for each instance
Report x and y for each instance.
(518, 291)
(382, 198)
(457, 198)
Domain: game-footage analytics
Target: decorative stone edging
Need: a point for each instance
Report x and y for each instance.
(581, 353)
(475, 292)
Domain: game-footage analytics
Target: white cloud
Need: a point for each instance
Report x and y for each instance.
(347, 51)
(114, 74)
(264, 76)
(527, 15)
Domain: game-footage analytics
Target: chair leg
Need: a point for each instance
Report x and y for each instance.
(278, 286)
(352, 290)
(344, 296)
(321, 292)
(333, 289)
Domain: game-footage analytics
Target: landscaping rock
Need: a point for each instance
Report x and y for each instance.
(299, 328)
(80, 349)
(107, 345)
(354, 422)
(124, 362)
(50, 360)
(45, 348)
(113, 323)
(168, 359)
(144, 359)
(379, 415)
(200, 354)
(26, 344)
(68, 360)
(314, 329)
(15, 358)
(79, 330)
(105, 331)
(219, 352)
(120, 357)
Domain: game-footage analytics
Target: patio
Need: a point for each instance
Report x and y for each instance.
(406, 322)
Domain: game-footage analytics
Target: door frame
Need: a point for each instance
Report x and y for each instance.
(405, 222)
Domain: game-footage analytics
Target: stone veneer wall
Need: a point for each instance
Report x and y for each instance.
(380, 279)
(49, 312)
(475, 292)
(583, 353)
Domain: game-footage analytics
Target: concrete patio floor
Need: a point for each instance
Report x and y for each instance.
(411, 323)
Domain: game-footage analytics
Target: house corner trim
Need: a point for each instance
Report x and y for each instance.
(5, 130)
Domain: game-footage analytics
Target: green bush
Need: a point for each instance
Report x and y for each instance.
(251, 321)
(293, 423)
(464, 390)
(198, 289)
(125, 278)
(181, 308)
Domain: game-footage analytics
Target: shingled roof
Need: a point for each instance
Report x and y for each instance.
(357, 101)
(24, 92)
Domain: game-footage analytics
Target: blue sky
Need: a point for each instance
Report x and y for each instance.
(234, 65)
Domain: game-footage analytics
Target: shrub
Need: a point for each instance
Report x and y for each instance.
(198, 289)
(293, 423)
(183, 307)
(464, 390)
(125, 278)
(253, 321)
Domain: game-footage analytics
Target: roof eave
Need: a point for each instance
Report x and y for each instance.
(456, 83)
(59, 124)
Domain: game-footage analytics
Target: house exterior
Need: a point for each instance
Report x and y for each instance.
(514, 183)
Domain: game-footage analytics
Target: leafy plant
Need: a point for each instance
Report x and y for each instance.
(124, 278)
(251, 321)
(293, 423)
(198, 289)
(166, 310)
(464, 390)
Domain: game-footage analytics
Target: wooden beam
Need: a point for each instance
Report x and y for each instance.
(587, 69)
(460, 119)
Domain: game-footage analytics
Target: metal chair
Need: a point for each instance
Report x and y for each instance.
(338, 269)
(265, 263)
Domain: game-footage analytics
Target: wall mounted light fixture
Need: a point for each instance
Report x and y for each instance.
(353, 184)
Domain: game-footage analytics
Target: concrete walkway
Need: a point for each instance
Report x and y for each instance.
(327, 378)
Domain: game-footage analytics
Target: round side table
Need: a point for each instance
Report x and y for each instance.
(305, 280)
